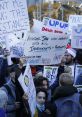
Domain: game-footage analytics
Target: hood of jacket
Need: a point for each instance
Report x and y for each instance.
(64, 91)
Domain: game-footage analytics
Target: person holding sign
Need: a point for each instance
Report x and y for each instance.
(10, 88)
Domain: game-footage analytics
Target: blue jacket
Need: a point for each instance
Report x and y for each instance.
(2, 112)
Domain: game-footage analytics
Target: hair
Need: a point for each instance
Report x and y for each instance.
(41, 90)
(67, 69)
(3, 98)
(65, 79)
(11, 68)
(39, 81)
(15, 60)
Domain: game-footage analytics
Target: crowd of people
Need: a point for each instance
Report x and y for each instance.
(61, 99)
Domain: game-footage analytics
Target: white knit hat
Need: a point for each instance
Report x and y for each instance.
(72, 52)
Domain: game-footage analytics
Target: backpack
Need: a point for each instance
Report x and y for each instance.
(69, 106)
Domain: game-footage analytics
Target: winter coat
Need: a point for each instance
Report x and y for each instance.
(11, 108)
(65, 91)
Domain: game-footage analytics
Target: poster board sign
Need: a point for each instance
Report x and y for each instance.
(13, 18)
(57, 26)
(44, 49)
(45, 28)
(76, 41)
(78, 75)
(50, 72)
(74, 20)
(26, 81)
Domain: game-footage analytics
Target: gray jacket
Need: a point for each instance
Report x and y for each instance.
(11, 108)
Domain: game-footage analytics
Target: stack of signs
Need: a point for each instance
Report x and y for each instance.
(76, 41)
(50, 72)
(55, 26)
(26, 81)
(44, 49)
(13, 18)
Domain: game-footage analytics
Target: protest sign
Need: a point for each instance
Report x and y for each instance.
(76, 41)
(74, 20)
(26, 81)
(42, 27)
(50, 72)
(13, 18)
(78, 75)
(44, 49)
(57, 26)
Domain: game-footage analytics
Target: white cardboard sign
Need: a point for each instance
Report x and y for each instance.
(44, 49)
(26, 81)
(76, 41)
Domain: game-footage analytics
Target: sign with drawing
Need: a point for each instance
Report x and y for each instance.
(50, 72)
(26, 81)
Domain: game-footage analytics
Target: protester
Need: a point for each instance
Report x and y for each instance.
(3, 67)
(67, 61)
(43, 108)
(10, 88)
(3, 103)
(42, 82)
(67, 98)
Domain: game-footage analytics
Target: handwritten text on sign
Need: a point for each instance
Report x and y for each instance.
(13, 16)
(44, 49)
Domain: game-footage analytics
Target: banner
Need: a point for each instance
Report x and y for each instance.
(44, 49)
(50, 72)
(13, 17)
(26, 81)
(76, 41)
(56, 26)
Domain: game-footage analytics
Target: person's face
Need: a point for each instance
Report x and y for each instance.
(68, 58)
(40, 98)
(45, 84)
(12, 75)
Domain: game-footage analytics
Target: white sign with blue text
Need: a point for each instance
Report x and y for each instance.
(57, 25)
(44, 49)
(74, 20)
(76, 41)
